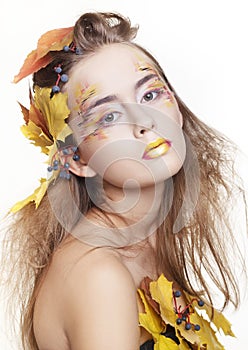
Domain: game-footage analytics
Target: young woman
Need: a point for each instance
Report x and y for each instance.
(129, 237)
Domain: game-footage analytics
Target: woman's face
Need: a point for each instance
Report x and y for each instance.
(125, 118)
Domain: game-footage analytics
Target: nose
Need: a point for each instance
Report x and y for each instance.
(141, 120)
(141, 129)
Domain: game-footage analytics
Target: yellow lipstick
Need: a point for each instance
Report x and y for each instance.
(156, 148)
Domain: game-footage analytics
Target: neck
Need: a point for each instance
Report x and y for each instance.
(125, 216)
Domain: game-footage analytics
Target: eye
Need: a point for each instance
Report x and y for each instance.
(110, 117)
(150, 96)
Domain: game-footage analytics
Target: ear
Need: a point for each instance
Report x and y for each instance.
(80, 168)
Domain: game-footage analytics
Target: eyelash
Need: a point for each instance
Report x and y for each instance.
(103, 121)
(158, 91)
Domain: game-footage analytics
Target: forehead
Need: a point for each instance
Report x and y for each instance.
(112, 62)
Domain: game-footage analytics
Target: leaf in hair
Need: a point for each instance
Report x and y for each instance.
(53, 40)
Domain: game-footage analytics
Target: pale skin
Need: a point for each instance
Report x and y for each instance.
(88, 298)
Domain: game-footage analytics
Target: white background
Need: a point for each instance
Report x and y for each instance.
(202, 46)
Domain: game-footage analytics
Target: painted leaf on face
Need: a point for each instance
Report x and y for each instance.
(35, 197)
(53, 40)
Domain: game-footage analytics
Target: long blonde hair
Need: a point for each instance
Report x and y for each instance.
(198, 250)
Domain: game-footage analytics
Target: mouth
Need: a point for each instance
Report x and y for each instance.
(156, 148)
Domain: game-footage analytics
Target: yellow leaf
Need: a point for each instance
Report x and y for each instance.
(164, 343)
(35, 197)
(219, 321)
(150, 320)
(54, 109)
(162, 293)
(35, 134)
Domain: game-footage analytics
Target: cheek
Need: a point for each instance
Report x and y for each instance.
(171, 109)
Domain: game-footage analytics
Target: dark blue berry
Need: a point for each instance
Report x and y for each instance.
(55, 162)
(58, 70)
(184, 318)
(76, 157)
(179, 321)
(66, 48)
(50, 168)
(66, 165)
(197, 327)
(177, 293)
(62, 174)
(64, 78)
(78, 51)
(65, 151)
(188, 326)
(74, 149)
(55, 167)
(68, 176)
(55, 89)
(201, 302)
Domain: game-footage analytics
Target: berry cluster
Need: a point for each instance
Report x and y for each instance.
(184, 314)
(61, 160)
(61, 78)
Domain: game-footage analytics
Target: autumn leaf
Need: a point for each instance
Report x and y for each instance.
(164, 343)
(36, 135)
(53, 40)
(35, 197)
(150, 320)
(219, 321)
(162, 293)
(55, 110)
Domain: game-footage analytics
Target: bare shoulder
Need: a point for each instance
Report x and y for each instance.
(100, 303)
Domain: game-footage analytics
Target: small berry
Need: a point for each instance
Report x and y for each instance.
(66, 165)
(179, 321)
(68, 176)
(56, 162)
(201, 302)
(188, 326)
(78, 51)
(76, 157)
(50, 168)
(197, 327)
(184, 318)
(58, 70)
(177, 293)
(55, 89)
(66, 48)
(64, 78)
(62, 174)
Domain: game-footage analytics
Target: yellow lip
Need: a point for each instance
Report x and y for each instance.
(156, 148)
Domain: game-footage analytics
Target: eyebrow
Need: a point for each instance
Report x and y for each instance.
(114, 98)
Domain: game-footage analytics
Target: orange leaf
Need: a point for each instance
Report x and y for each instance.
(53, 40)
(25, 113)
(32, 65)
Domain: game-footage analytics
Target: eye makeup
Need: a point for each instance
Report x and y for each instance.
(159, 88)
(82, 96)
(94, 123)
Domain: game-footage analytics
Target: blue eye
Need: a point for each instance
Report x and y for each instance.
(110, 117)
(150, 96)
